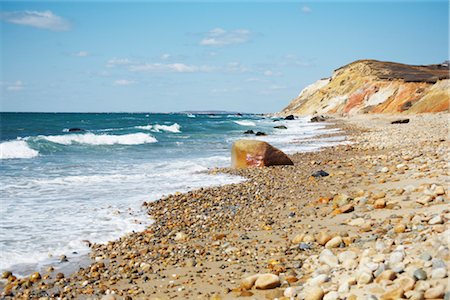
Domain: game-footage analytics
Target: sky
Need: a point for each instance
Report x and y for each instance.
(113, 56)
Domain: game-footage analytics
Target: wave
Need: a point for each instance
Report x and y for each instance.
(174, 128)
(245, 123)
(190, 116)
(101, 139)
(16, 149)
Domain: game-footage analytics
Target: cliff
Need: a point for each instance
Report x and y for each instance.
(370, 86)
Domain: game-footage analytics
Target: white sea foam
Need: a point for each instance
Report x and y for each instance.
(100, 139)
(174, 128)
(16, 149)
(190, 116)
(245, 123)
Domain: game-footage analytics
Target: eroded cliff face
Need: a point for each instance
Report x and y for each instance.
(370, 86)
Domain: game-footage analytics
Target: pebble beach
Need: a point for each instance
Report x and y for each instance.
(372, 225)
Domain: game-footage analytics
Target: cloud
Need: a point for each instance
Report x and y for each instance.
(81, 54)
(236, 67)
(292, 59)
(123, 82)
(118, 62)
(272, 88)
(175, 67)
(14, 86)
(165, 56)
(271, 73)
(306, 9)
(38, 19)
(219, 37)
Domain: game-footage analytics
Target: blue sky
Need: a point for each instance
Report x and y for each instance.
(174, 56)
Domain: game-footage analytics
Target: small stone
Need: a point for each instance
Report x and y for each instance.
(109, 297)
(420, 274)
(59, 276)
(394, 294)
(248, 282)
(267, 281)
(313, 293)
(406, 282)
(245, 294)
(435, 292)
(384, 170)
(323, 237)
(414, 295)
(436, 220)
(399, 228)
(298, 239)
(346, 255)
(347, 208)
(334, 242)
(6, 274)
(438, 263)
(365, 278)
(292, 291)
(424, 200)
(380, 203)
(63, 258)
(396, 257)
(438, 273)
(331, 296)
(386, 275)
(318, 280)
(439, 190)
(35, 277)
(180, 236)
(329, 259)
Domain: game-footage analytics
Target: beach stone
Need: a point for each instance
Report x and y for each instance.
(396, 257)
(414, 295)
(318, 280)
(329, 259)
(435, 292)
(380, 203)
(313, 293)
(292, 291)
(298, 239)
(248, 282)
(267, 281)
(394, 294)
(365, 278)
(340, 200)
(109, 297)
(334, 242)
(424, 200)
(347, 255)
(347, 208)
(420, 274)
(436, 220)
(438, 263)
(439, 190)
(438, 273)
(35, 277)
(255, 153)
(6, 274)
(180, 236)
(399, 228)
(386, 275)
(323, 237)
(349, 264)
(308, 238)
(331, 296)
(422, 285)
(406, 282)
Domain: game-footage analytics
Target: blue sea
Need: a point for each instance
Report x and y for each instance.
(60, 188)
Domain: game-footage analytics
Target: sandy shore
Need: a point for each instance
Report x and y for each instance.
(375, 228)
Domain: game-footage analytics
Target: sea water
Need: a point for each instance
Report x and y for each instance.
(60, 188)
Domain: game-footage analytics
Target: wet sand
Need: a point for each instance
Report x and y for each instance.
(375, 228)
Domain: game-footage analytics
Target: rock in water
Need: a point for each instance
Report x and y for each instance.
(318, 119)
(76, 129)
(260, 133)
(280, 127)
(249, 132)
(253, 153)
(290, 117)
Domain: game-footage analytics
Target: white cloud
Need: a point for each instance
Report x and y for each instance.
(272, 88)
(219, 37)
(306, 9)
(236, 67)
(255, 79)
(271, 73)
(81, 54)
(38, 19)
(165, 56)
(175, 67)
(118, 62)
(123, 82)
(14, 86)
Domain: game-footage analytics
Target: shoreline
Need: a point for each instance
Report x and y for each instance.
(201, 249)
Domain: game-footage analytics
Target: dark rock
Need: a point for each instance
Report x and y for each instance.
(249, 132)
(260, 133)
(280, 127)
(304, 246)
(76, 129)
(318, 119)
(320, 173)
(290, 117)
(401, 121)
(406, 106)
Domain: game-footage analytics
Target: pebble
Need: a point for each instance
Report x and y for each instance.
(331, 296)
(414, 295)
(347, 255)
(386, 275)
(380, 203)
(323, 237)
(396, 257)
(267, 281)
(435, 292)
(365, 278)
(248, 282)
(313, 293)
(109, 297)
(292, 291)
(420, 274)
(334, 242)
(436, 220)
(438, 273)
(399, 228)
(318, 280)
(393, 294)
(298, 239)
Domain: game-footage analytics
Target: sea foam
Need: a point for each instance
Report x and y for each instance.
(101, 139)
(16, 149)
(245, 123)
(174, 128)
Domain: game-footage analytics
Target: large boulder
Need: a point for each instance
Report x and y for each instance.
(254, 153)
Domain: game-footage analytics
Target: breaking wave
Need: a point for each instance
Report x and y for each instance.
(16, 149)
(101, 139)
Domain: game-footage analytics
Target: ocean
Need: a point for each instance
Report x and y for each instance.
(61, 188)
